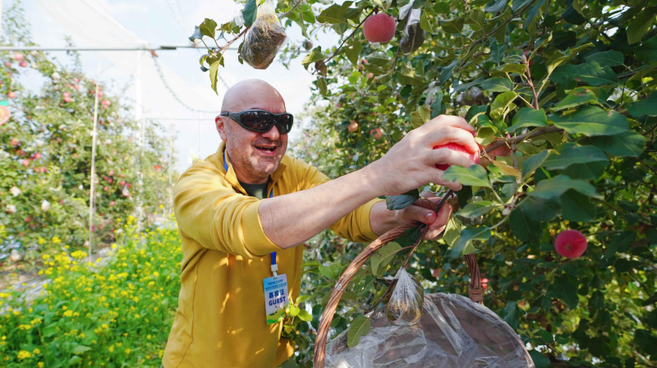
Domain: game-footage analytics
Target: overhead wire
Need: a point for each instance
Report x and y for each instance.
(173, 93)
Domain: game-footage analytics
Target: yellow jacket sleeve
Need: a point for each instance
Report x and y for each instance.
(356, 225)
(209, 211)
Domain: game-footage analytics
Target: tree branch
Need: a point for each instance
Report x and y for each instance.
(348, 37)
(535, 133)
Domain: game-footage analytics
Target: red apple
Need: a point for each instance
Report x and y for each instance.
(43, 169)
(376, 133)
(26, 163)
(157, 168)
(570, 244)
(11, 94)
(15, 142)
(23, 63)
(106, 189)
(111, 173)
(112, 203)
(122, 182)
(379, 28)
(18, 56)
(37, 155)
(370, 75)
(7, 64)
(484, 283)
(473, 156)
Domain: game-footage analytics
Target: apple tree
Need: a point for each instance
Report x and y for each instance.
(45, 153)
(562, 97)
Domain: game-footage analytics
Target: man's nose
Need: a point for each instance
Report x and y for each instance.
(273, 133)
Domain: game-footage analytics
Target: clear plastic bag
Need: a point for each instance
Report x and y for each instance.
(413, 33)
(453, 332)
(265, 37)
(405, 305)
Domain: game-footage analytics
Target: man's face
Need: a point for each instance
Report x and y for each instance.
(254, 155)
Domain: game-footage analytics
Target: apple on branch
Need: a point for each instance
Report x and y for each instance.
(379, 28)
(570, 244)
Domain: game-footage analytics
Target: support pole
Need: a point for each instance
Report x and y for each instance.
(94, 141)
(139, 116)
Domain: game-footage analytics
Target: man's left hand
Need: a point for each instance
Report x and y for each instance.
(422, 211)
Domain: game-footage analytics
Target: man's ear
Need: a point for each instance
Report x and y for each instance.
(221, 127)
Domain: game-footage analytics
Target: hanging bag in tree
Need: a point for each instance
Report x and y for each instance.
(264, 38)
(413, 33)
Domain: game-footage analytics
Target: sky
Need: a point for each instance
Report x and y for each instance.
(162, 22)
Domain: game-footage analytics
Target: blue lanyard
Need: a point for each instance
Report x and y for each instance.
(274, 266)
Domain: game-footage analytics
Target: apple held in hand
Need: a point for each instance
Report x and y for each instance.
(379, 28)
(473, 156)
(570, 244)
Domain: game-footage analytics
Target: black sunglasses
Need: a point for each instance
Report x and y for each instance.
(261, 121)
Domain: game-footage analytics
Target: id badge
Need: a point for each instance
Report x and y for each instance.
(275, 297)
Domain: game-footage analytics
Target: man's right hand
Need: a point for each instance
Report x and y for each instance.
(411, 162)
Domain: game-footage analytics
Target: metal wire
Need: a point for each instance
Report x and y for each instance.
(173, 93)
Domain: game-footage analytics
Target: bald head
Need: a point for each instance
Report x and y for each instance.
(252, 94)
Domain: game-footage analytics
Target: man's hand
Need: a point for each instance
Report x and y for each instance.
(411, 162)
(423, 211)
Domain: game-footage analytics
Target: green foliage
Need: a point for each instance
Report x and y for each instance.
(116, 311)
(565, 92)
(45, 157)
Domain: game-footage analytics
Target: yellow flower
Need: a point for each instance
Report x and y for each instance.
(40, 365)
(111, 349)
(45, 256)
(36, 351)
(68, 313)
(24, 354)
(78, 254)
(56, 240)
(127, 351)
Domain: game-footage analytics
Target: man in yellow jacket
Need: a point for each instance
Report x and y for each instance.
(242, 211)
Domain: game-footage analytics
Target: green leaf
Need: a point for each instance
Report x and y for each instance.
(592, 121)
(214, 76)
(477, 209)
(196, 35)
(495, 6)
(420, 116)
(540, 360)
(208, 27)
(474, 175)
(382, 258)
(304, 316)
(607, 58)
(497, 85)
(640, 25)
(321, 84)
(360, 326)
(452, 25)
(353, 52)
(313, 56)
(576, 97)
(335, 13)
(249, 12)
(647, 52)
(587, 171)
(425, 24)
(502, 104)
(464, 245)
(524, 227)
(555, 187)
(74, 360)
(576, 207)
(625, 144)
(438, 107)
(570, 154)
(329, 272)
(534, 162)
(517, 4)
(539, 209)
(590, 72)
(401, 201)
(511, 315)
(81, 349)
(566, 288)
(528, 117)
(644, 107)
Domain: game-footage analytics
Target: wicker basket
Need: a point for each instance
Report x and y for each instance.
(506, 335)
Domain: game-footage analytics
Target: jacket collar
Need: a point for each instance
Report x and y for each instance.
(231, 176)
